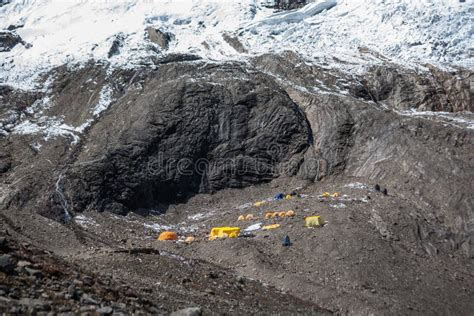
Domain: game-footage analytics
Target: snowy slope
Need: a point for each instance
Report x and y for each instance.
(70, 31)
(408, 31)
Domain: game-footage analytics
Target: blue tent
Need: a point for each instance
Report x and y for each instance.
(279, 196)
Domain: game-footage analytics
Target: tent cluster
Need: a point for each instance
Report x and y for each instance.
(281, 214)
(267, 219)
(269, 227)
(268, 215)
(259, 203)
(283, 196)
(247, 217)
(173, 236)
(277, 197)
(328, 195)
(234, 231)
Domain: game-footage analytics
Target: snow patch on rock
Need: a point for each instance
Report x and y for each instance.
(105, 99)
(357, 185)
(158, 227)
(49, 127)
(85, 221)
(462, 120)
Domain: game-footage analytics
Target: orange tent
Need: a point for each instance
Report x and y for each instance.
(168, 236)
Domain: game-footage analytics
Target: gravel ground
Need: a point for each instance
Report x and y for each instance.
(373, 255)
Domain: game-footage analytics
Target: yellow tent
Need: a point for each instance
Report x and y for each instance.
(314, 221)
(224, 232)
(269, 215)
(268, 227)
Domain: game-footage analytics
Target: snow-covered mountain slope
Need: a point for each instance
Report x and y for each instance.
(71, 32)
(75, 31)
(435, 31)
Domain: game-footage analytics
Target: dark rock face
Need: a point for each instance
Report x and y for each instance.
(4, 2)
(403, 90)
(285, 4)
(7, 264)
(187, 136)
(13, 104)
(162, 39)
(5, 163)
(13, 27)
(8, 40)
(234, 42)
(176, 58)
(116, 45)
(457, 89)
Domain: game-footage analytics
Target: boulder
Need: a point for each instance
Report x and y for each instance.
(106, 310)
(162, 39)
(34, 272)
(8, 40)
(5, 164)
(3, 244)
(13, 27)
(235, 43)
(7, 264)
(4, 2)
(190, 311)
(117, 43)
(35, 304)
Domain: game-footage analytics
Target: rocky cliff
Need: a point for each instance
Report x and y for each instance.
(189, 127)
